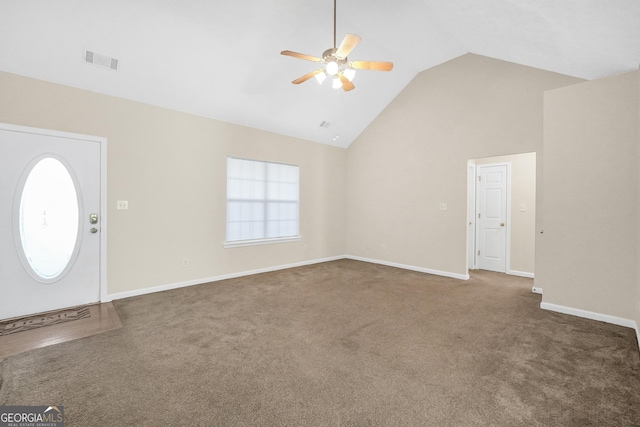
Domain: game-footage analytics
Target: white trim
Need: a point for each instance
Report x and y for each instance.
(255, 242)
(521, 274)
(627, 323)
(589, 315)
(536, 290)
(49, 132)
(507, 266)
(169, 286)
(103, 219)
(103, 188)
(411, 267)
(471, 215)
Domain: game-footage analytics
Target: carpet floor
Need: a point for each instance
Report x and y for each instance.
(342, 343)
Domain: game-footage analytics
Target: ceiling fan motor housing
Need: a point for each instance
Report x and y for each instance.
(330, 55)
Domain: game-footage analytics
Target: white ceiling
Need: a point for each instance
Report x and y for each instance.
(222, 59)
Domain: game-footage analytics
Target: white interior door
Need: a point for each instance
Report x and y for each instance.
(50, 221)
(492, 217)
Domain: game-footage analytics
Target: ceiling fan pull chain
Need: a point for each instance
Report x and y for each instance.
(334, 23)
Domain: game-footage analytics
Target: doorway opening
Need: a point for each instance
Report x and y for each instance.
(501, 212)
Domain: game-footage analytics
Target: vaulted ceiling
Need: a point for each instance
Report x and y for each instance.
(222, 59)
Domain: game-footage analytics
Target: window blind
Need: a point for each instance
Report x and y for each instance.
(262, 200)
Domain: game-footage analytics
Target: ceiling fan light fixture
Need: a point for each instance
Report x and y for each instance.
(349, 73)
(332, 68)
(335, 61)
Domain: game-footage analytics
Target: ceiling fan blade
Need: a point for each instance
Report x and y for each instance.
(301, 56)
(346, 84)
(371, 65)
(350, 41)
(306, 77)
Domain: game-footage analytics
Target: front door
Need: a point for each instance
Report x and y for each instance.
(50, 220)
(492, 217)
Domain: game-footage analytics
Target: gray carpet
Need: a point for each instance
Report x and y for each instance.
(340, 343)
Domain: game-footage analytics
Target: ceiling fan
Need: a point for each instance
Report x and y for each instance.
(336, 63)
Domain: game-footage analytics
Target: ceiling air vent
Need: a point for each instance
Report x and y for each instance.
(100, 60)
(325, 124)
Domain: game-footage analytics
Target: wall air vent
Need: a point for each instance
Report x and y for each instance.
(100, 60)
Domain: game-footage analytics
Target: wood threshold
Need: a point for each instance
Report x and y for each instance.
(103, 319)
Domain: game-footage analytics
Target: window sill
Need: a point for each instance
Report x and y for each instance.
(257, 242)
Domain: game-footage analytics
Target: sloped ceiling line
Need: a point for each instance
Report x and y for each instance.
(221, 60)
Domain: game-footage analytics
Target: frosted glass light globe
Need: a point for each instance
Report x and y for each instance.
(332, 68)
(349, 73)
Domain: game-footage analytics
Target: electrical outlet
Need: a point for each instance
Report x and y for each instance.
(185, 262)
(383, 247)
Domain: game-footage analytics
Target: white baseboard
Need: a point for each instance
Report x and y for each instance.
(169, 286)
(544, 305)
(593, 316)
(521, 274)
(411, 267)
(536, 290)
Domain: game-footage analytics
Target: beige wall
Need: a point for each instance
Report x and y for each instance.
(171, 167)
(414, 156)
(523, 223)
(587, 257)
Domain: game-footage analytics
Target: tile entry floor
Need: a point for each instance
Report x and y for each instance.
(103, 318)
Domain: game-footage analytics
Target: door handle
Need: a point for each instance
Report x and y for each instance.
(502, 224)
(93, 218)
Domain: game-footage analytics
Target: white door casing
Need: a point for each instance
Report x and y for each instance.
(25, 287)
(492, 217)
(471, 215)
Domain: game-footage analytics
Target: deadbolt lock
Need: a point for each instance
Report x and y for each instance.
(93, 218)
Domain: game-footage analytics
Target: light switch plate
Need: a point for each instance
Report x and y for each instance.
(443, 206)
(122, 204)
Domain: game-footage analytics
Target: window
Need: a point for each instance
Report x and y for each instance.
(49, 218)
(262, 202)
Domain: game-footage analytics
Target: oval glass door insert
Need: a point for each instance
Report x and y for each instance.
(49, 218)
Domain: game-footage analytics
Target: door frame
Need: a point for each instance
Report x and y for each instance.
(103, 189)
(471, 216)
(473, 200)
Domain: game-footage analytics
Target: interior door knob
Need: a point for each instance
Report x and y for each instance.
(502, 224)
